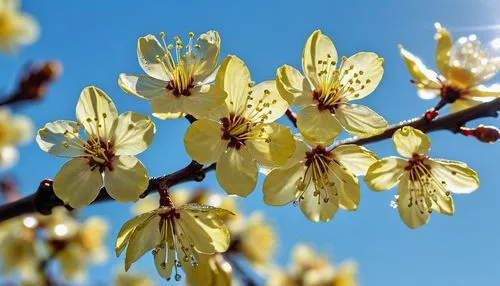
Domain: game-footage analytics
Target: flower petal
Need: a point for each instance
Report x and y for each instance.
(144, 238)
(203, 141)
(293, 86)
(443, 203)
(347, 187)
(203, 100)
(465, 103)
(318, 48)
(148, 49)
(167, 106)
(22, 128)
(96, 112)
(428, 93)
(408, 141)
(209, 48)
(360, 120)
(126, 231)
(61, 138)
(127, 180)
(234, 78)
(281, 184)
(237, 171)
(274, 150)
(316, 209)
(409, 211)
(165, 258)
(142, 86)
(457, 176)
(77, 184)
(133, 133)
(265, 103)
(443, 46)
(424, 77)
(361, 74)
(486, 91)
(385, 174)
(318, 126)
(355, 158)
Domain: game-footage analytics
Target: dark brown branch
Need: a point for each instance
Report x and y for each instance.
(44, 199)
(452, 122)
(292, 116)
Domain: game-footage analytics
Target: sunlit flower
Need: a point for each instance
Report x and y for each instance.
(16, 28)
(177, 81)
(308, 268)
(325, 92)
(424, 183)
(105, 158)
(464, 67)
(14, 130)
(132, 279)
(211, 270)
(319, 180)
(241, 133)
(177, 237)
(246, 232)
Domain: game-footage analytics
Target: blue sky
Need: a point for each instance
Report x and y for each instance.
(96, 41)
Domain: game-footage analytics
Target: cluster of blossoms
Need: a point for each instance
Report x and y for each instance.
(16, 28)
(233, 126)
(14, 130)
(30, 242)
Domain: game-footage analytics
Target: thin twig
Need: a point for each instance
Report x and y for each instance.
(292, 116)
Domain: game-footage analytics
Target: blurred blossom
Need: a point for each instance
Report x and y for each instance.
(212, 270)
(16, 28)
(14, 130)
(132, 279)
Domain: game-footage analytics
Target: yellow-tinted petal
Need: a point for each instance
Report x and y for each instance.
(318, 126)
(276, 149)
(265, 103)
(96, 112)
(443, 45)
(408, 141)
(165, 258)
(385, 174)
(61, 138)
(203, 100)
(293, 86)
(486, 91)
(127, 180)
(424, 77)
(360, 120)
(133, 133)
(347, 187)
(360, 75)
(409, 211)
(142, 86)
(281, 184)
(234, 78)
(356, 159)
(237, 171)
(457, 176)
(167, 106)
(209, 48)
(318, 48)
(144, 238)
(465, 103)
(317, 209)
(203, 141)
(148, 49)
(126, 231)
(22, 129)
(77, 184)
(443, 203)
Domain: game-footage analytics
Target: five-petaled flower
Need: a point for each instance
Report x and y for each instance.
(464, 67)
(241, 133)
(424, 184)
(16, 28)
(319, 180)
(177, 236)
(105, 158)
(325, 91)
(177, 82)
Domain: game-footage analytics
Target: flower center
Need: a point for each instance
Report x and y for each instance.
(423, 185)
(450, 93)
(237, 129)
(100, 154)
(180, 66)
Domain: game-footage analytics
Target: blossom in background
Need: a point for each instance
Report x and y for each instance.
(16, 28)
(176, 236)
(308, 268)
(212, 270)
(14, 130)
(319, 180)
(464, 67)
(424, 183)
(105, 158)
(177, 81)
(325, 92)
(241, 133)
(132, 279)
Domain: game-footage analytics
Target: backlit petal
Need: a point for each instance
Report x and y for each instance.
(293, 86)
(424, 77)
(127, 180)
(61, 138)
(209, 48)
(237, 171)
(203, 100)
(457, 176)
(360, 120)
(356, 159)
(142, 86)
(385, 174)
(318, 48)
(408, 141)
(265, 104)
(126, 231)
(276, 149)
(409, 211)
(315, 208)
(133, 133)
(318, 126)
(203, 141)
(360, 75)
(281, 184)
(96, 112)
(234, 78)
(148, 51)
(443, 45)
(167, 106)
(486, 91)
(144, 238)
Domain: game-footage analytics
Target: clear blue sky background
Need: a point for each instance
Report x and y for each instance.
(96, 40)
